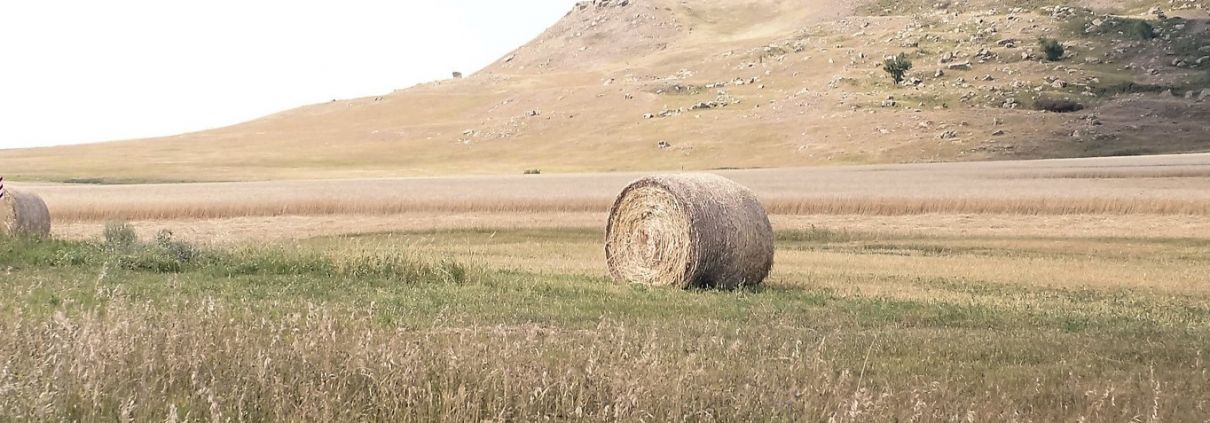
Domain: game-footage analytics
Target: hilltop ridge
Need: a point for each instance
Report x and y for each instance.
(679, 84)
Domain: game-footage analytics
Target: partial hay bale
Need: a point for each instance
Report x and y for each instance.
(24, 214)
(689, 231)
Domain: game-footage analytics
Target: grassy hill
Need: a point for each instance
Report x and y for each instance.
(664, 84)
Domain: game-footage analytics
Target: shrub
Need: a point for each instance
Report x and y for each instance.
(1053, 49)
(533, 171)
(1057, 105)
(179, 251)
(1144, 30)
(897, 66)
(120, 236)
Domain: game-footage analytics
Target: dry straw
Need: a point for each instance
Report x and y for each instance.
(23, 214)
(689, 231)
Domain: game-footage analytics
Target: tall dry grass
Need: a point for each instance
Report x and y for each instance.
(133, 363)
(1168, 185)
(870, 206)
(858, 327)
(151, 210)
(892, 206)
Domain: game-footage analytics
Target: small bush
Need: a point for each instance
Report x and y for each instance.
(1057, 105)
(179, 251)
(533, 171)
(1053, 49)
(1144, 30)
(120, 236)
(897, 66)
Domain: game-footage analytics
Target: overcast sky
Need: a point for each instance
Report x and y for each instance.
(76, 71)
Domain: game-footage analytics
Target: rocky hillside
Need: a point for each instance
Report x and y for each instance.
(707, 84)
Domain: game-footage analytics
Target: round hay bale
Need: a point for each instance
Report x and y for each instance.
(24, 214)
(689, 231)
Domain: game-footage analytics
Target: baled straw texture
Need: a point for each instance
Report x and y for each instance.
(24, 214)
(689, 231)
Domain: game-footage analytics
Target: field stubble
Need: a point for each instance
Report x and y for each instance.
(853, 326)
(1160, 185)
(469, 311)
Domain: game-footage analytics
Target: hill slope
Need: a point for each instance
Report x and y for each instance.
(679, 84)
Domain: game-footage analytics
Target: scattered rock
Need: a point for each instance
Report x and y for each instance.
(889, 102)
(1157, 12)
(533, 113)
(664, 145)
(939, 73)
(948, 135)
(601, 4)
(721, 101)
(998, 132)
(946, 58)
(1059, 83)
(1010, 103)
(1007, 43)
(1204, 95)
(959, 65)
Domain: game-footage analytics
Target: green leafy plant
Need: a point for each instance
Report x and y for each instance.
(897, 66)
(1144, 30)
(120, 236)
(1053, 49)
(1057, 105)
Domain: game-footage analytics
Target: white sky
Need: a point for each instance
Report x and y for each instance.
(76, 71)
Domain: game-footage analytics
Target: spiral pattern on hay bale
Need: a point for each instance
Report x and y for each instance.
(689, 231)
(23, 214)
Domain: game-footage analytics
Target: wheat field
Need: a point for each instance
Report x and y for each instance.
(1162, 185)
(1070, 290)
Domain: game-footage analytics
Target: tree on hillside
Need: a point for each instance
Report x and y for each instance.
(897, 66)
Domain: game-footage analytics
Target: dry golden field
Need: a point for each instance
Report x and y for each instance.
(1072, 290)
(1152, 185)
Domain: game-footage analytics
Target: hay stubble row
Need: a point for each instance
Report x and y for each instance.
(1155, 185)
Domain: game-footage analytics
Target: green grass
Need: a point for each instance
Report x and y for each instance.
(320, 332)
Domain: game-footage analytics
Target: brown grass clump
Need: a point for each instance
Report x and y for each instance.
(689, 231)
(23, 214)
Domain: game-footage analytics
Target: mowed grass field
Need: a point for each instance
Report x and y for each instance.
(925, 308)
